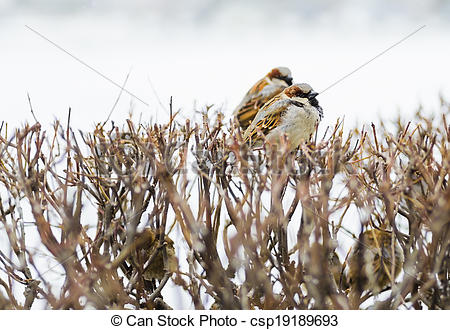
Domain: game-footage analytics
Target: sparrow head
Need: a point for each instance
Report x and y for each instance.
(281, 73)
(304, 91)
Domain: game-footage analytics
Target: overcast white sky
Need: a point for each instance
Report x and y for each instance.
(206, 52)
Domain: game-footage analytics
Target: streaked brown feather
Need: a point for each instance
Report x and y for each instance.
(376, 249)
(260, 93)
(248, 111)
(267, 123)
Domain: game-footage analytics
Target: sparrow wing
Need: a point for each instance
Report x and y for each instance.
(250, 106)
(267, 118)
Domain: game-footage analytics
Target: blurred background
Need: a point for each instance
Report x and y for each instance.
(205, 52)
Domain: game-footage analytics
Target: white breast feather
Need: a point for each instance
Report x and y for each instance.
(299, 123)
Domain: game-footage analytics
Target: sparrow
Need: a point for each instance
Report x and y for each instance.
(144, 245)
(294, 112)
(262, 91)
(374, 262)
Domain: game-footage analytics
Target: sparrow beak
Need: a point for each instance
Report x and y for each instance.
(312, 95)
(288, 80)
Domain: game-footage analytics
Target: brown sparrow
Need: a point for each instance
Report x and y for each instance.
(145, 244)
(266, 88)
(375, 261)
(294, 112)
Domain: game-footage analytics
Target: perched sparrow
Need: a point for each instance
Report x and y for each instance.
(266, 88)
(374, 262)
(141, 249)
(294, 112)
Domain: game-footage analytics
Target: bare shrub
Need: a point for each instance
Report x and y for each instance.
(264, 228)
